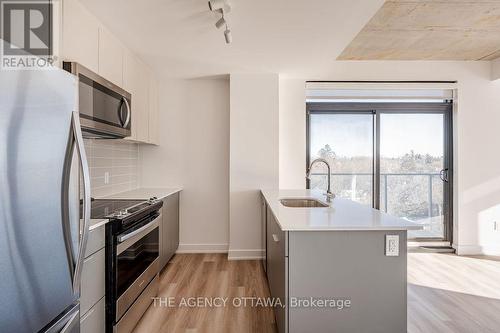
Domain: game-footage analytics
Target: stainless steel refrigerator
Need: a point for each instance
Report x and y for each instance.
(42, 235)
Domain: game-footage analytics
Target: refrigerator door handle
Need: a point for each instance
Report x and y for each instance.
(66, 219)
(84, 231)
(70, 325)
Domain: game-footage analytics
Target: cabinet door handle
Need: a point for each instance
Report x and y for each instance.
(127, 120)
(275, 238)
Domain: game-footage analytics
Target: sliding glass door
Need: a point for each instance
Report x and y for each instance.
(412, 163)
(394, 157)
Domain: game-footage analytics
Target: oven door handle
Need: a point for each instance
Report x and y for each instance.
(141, 230)
(125, 240)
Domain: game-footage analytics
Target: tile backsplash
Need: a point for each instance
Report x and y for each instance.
(113, 166)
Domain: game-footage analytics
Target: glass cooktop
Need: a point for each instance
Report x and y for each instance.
(100, 208)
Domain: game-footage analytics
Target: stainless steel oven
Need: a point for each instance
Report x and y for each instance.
(105, 108)
(132, 263)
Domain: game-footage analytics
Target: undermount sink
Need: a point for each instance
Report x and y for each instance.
(303, 203)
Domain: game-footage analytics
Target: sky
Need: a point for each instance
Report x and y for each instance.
(351, 134)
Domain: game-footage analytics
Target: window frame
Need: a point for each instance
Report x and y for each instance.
(376, 109)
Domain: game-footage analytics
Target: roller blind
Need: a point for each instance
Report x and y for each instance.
(379, 92)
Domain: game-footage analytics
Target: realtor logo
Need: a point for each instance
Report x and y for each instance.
(26, 30)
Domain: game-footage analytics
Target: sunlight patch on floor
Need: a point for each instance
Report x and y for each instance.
(478, 276)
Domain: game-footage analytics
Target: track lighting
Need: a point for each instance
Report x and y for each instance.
(222, 7)
(220, 23)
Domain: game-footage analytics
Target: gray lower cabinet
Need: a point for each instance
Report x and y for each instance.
(92, 312)
(95, 241)
(347, 266)
(340, 266)
(94, 321)
(93, 285)
(263, 219)
(169, 228)
(277, 268)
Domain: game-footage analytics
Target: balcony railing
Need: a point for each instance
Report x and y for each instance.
(431, 219)
(384, 183)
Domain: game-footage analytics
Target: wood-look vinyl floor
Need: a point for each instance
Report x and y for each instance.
(446, 293)
(452, 294)
(210, 275)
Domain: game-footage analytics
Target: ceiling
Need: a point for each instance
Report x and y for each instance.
(177, 38)
(430, 30)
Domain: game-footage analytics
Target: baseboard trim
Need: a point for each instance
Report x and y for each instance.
(202, 248)
(429, 243)
(491, 250)
(255, 254)
(474, 250)
(467, 250)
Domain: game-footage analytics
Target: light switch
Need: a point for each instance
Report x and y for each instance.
(392, 245)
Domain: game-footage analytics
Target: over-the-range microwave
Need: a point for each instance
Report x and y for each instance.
(105, 108)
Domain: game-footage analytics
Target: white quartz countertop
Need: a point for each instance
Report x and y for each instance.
(144, 193)
(96, 223)
(342, 215)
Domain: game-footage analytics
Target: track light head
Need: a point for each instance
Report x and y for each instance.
(220, 23)
(222, 7)
(216, 5)
(228, 36)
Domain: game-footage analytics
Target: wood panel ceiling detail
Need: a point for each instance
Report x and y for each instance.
(429, 30)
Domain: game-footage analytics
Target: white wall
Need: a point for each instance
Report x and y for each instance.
(495, 69)
(254, 157)
(292, 133)
(477, 122)
(194, 154)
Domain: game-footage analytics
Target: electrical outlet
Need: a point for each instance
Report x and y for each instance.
(106, 177)
(392, 245)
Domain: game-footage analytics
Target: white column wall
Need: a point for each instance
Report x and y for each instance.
(254, 157)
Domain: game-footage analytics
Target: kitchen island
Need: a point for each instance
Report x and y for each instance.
(339, 268)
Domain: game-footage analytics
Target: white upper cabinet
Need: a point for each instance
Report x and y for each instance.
(80, 35)
(130, 74)
(154, 111)
(136, 81)
(87, 41)
(110, 57)
(142, 99)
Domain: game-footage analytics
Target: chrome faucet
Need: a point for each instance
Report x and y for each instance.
(329, 194)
